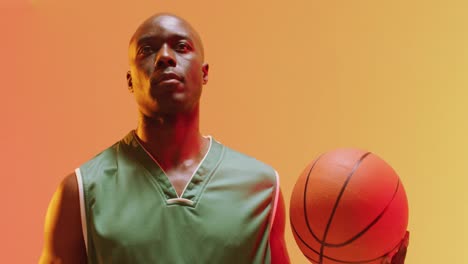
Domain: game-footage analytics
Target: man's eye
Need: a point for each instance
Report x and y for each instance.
(145, 50)
(182, 47)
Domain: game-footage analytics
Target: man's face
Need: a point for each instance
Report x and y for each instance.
(166, 66)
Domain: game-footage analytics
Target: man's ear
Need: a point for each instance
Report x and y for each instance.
(205, 69)
(129, 82)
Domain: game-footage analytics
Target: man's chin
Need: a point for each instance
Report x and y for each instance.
(175, 108)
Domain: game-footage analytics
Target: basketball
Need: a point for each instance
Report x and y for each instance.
(348, 206)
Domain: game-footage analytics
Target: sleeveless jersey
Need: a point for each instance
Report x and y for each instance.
(132, 214)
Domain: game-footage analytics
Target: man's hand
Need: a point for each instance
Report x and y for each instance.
(399, 254)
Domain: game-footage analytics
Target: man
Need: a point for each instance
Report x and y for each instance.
(164, 193)
(398, 255)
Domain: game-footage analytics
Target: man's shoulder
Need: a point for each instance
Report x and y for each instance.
(108, 155)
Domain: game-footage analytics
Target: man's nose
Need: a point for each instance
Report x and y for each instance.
(165, 57)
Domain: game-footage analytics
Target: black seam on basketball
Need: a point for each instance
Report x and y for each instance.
(322, 247)
(310, 258)
(302, 240)
(306, 216)
(362, 232)
(323, 244)
(331, 258)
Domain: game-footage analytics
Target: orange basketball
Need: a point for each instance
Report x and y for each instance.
(348, 206)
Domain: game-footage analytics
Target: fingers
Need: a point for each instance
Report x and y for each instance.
(398, 255)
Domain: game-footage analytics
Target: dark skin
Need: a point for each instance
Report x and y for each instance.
(399, 254)
(167, 73)
(166, 48)
(63, 237)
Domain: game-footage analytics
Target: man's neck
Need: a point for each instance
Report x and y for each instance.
(172, 140)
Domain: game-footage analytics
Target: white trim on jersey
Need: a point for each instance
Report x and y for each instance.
(275, 202)
(84, 228)
(198, 167)
(179, 197)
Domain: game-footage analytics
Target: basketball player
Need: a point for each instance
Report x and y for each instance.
(165, 193)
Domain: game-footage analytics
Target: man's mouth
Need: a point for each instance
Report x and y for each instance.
(167, 78)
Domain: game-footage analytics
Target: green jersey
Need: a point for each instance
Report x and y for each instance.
(132, 214)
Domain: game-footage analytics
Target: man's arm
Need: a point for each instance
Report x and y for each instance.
(63, 237)
(279, 252)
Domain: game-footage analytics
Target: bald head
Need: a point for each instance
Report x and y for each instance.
(167, 67)
(157, 24)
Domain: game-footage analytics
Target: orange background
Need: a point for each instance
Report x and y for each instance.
(288, 80)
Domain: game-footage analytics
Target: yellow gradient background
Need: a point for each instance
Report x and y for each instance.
(288, 81)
